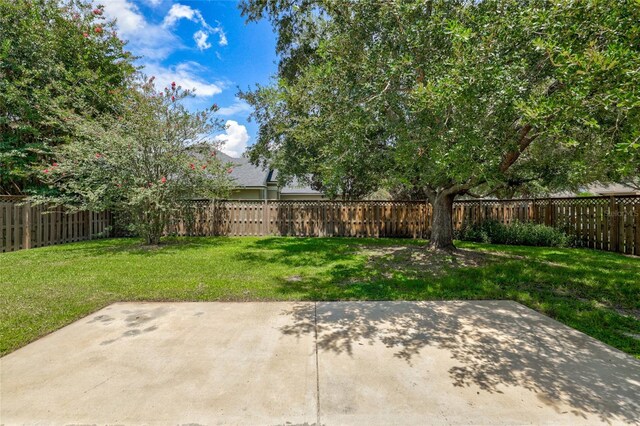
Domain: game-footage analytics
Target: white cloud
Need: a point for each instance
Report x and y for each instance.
(239, 106)
(127, 14)
(156, 42)
(234, 139)
(201, 40)
(153, 42)
(185, 74)
(180, 11)
(222, 37)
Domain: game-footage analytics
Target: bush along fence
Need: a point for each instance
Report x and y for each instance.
(604, 223)
(24, 226)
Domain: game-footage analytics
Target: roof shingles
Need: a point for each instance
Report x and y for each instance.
(244, 173)
(248, 175)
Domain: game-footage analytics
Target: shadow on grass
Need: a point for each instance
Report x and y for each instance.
(494, 345)
(594, 292)
(135, 246)
(300, 252)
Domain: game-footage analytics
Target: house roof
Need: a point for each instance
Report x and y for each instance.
(295, 187)
(248, 175)
(601, 189)
(272, 177)
(244, 173)
(614, 188)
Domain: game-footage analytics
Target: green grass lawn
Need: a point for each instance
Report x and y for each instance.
(43, 289)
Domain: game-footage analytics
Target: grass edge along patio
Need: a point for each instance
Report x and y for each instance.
(44, 289)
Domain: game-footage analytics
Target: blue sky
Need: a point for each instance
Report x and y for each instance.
(203, 45)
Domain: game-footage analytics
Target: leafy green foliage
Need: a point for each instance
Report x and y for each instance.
(517, 233)
(447, 97)
(55, 56)
(142, 164)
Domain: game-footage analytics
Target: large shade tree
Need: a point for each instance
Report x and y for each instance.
(451, 97)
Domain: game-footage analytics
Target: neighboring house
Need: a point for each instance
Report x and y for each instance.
(600, 189)
(255, 183)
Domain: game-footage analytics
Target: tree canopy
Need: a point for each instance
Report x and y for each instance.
(451, 97)
(143, 164)
(55, 56)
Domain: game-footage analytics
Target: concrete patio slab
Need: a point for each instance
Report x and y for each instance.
(165, 363)
(334, 363)
(480, 362)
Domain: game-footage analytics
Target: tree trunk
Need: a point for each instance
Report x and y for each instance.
(154, 230)
(153, 239)
(442, 223)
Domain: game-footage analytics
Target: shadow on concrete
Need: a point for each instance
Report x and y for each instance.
(594, 292)
(494, 344)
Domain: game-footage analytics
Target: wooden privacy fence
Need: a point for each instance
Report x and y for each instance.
(605, 223)
(305, 219)
(24, 226)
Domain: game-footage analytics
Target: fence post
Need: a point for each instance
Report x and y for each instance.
(426, 220)
(265, 217)
(548, 214)
(26, 226)
(531, 210)
(87, 221)
(614, 235)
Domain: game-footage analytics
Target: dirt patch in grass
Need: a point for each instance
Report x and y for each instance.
(294, 278)
(418, 262)
(632, 335)
(151, 247)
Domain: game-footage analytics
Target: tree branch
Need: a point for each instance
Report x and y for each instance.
(523, 143)
(493, 191)
(460, 187)
(430, 193)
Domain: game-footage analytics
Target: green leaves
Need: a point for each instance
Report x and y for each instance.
(142, 164)
(54, 56)
(451, 95)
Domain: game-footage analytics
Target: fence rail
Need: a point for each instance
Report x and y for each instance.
(24, 226)
(604, 223)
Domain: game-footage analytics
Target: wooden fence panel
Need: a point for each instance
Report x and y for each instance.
(605, 223)
(24, 226)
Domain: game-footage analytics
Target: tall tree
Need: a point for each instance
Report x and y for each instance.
(451, 97)
(55, 56)
(144, 165)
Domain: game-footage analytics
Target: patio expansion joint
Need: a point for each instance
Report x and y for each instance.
(315, 324)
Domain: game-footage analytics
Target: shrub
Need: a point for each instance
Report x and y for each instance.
(517, 233)
(143, 164)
